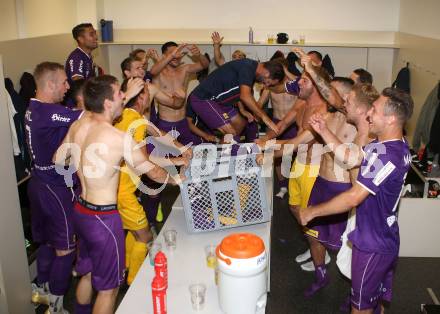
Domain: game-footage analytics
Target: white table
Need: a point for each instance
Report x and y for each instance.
(186, 265)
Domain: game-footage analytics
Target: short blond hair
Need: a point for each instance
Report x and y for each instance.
(365, 94)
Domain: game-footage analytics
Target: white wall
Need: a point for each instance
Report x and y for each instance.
(48, 17)
(354, 15)
(419, 42)
(420, 18)
(8, 21)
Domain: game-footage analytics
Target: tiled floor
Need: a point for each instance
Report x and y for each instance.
(288, 281)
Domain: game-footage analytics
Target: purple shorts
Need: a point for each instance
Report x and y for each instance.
(153, 114)
(102, 245)
(179, 130)
(289, 133)
(213, 114)
(250, 132)
(371, 278)
(328, 229)
(51, 214)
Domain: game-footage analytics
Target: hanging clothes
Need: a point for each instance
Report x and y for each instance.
(12, 113)
(328, 65)
(426, 117)
(403, 80)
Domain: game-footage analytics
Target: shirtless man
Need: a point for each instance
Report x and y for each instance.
(359, 102)
(96, 149)
(282, 102)
(133, 216)
(133, 68)
(172, 76)
(332, 179)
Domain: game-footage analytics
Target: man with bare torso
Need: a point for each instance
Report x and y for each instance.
(172, 76)
(96, 149)
(357, 105)
(282, 103)
(327, 233)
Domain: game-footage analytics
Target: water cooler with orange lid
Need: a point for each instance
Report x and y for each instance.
(242, 281)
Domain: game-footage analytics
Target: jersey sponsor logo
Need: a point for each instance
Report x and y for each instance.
(44, 168)
(71, 65)
(384, 173)
(80, 68)
(391, 220)
(57, 117)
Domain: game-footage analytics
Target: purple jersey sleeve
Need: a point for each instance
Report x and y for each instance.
(377, 166)
(77, 66)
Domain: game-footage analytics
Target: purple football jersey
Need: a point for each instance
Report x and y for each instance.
(382, 174)
(79, 64)
(46, 126)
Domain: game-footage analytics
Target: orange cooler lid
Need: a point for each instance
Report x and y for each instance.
(242, 245)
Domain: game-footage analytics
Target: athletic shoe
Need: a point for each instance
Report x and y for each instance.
(309, 266)
(56, 305)
(303, 257)
(281, 193)
(321, 280)
(39, 295)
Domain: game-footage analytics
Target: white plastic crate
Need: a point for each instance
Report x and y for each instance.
(223, 191)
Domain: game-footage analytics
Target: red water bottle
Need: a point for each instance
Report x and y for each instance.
(159, 293)
(161, 267)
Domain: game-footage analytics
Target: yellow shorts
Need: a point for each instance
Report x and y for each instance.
(301, 183)
(132, 213)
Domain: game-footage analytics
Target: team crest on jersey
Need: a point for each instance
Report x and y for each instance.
(391, 220)
(225, 115)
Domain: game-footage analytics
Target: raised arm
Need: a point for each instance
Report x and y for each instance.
(163, 62)
(249, 101)
(327, 91)
(200, 60)
(217, 43)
